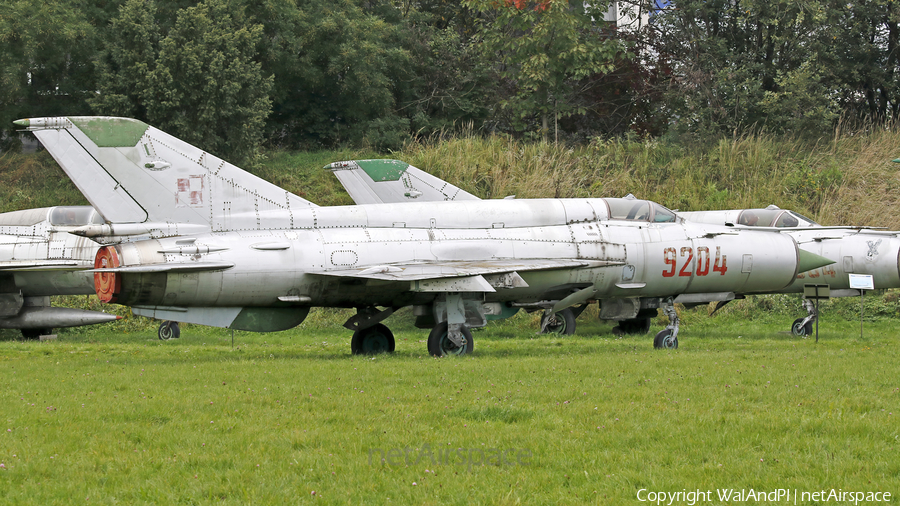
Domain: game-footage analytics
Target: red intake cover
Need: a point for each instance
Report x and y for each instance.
(108, 285)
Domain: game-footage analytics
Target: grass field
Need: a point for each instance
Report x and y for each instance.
(112, 415)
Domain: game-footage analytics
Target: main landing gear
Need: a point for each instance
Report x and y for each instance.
(372, 340)
(370, 337)
(442, 341)
(561, 322)
(445, 340)
(168, 330)
(668, 337)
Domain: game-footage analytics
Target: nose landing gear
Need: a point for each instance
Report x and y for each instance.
(668, 337)
(803, 327)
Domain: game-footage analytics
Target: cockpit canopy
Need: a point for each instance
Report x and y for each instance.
(773, 217)
(74, 216)
(632, 209)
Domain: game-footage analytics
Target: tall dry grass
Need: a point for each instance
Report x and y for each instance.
(868, 193)
(34, 180)
(848, 179)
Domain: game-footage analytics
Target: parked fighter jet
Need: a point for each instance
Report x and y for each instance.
(858, 250)
(39, 258)
(231, 250)
(861, 250)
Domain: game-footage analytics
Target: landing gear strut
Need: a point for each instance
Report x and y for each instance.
(668, 337)
(803, 327)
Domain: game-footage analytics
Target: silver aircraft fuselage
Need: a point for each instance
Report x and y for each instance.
(404, 254)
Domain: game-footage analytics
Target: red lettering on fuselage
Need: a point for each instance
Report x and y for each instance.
(670, 258)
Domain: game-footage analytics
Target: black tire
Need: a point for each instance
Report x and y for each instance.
(440, 345)
(664, 340)
(802, 330)
(563, 324)
(372, 340)
(168, 330)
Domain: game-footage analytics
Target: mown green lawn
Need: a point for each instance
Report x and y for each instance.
(102, 416)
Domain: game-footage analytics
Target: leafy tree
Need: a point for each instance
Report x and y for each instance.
(451, 84)
(727, 55)
(626, 100)
(125, 64)
(45, 52)
(442, 14)
(541, 49)
(800, 103)
(200, 81)
(335, 67)
(207, 85)
(359, 74)
(780, 65)
(379, 71)
(858, 48)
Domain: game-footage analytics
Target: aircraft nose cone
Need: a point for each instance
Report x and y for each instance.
(809, 261)
(22, 122)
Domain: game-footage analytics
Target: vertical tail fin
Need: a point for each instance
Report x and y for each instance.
(133, 173)
(393, 181)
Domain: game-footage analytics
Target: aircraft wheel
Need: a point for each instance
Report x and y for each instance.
(440, 345)
(562, 323)
(665, 340)
(372, 340)
(169, 330)
(800, 330)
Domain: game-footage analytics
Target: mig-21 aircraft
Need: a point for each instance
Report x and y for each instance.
(38, 259)
(228, 249)
(857, 250)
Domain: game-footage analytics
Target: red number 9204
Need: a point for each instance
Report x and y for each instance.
(670, 258)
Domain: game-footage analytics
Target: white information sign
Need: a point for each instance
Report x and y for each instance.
(862, 282)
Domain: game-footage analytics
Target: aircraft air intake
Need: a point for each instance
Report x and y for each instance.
(108, 285)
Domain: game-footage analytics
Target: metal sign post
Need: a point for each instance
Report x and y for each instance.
(862, 282)
(816, 293)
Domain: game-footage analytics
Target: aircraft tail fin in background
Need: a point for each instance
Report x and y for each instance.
(134, 173)
(393, 182)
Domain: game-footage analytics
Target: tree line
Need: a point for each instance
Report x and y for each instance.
(231, 75)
